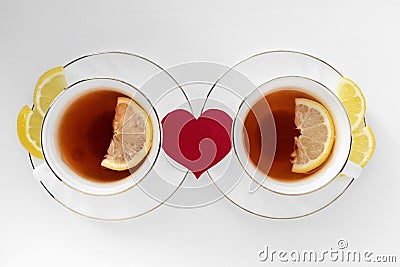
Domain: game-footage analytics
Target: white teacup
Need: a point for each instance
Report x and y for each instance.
(55, 166)
(336, 164)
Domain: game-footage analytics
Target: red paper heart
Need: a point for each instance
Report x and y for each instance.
(197, 144)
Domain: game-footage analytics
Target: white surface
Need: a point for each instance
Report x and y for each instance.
(359, 38)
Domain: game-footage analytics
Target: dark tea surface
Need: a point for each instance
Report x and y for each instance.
(282, 105)
(85, 132)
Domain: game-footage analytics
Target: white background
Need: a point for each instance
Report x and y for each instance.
(360, 38)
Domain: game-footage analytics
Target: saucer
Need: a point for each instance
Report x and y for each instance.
(236, 84)
(162, 91)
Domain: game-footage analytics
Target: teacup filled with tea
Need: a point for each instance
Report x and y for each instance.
(292, 135)
(99, 136)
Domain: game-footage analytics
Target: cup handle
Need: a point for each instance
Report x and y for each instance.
(42, 172)
(352, 170)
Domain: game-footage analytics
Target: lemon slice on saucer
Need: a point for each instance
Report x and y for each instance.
(317, 135)
(29, 124)
(363, 139)
(132, 136)
(47, 88)
(363, 146)
(353, 101)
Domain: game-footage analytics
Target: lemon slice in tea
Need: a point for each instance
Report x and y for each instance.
(317, 135)
(132, 136)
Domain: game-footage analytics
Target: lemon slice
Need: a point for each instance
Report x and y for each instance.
(317, 135)
(132, 136)
(363, 146)
(353, 101)
(29, 124)
(47, 88)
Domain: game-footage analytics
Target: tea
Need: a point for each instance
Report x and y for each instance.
(282, 105)
(85, 132)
